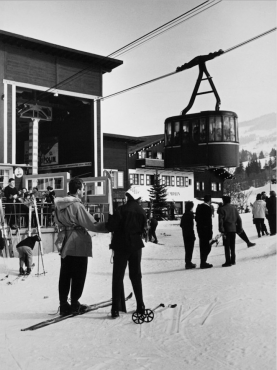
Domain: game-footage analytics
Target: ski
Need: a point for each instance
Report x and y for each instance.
(54, 320)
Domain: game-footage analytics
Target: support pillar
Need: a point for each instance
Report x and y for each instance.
(33, 145)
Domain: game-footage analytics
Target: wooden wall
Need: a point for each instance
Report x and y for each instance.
(41, 69)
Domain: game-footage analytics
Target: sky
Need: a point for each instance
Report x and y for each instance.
(245, 78)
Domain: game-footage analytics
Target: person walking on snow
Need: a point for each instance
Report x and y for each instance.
(127, 224)
(187, 224)
(74, 245)
(153, 223)
(204, 227)
(259, 211)
(229, 223)
(271, 206)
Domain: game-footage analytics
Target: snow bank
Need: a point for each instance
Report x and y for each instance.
(225, 317)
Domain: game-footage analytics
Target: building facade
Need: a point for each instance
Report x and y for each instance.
(50, 112)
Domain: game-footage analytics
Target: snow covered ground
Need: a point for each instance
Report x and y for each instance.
(225, 317)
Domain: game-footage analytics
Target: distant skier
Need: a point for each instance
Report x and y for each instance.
(74, 244)
(25, 251)
(187, 224)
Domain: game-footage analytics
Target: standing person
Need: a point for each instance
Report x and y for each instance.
(74, 245)
(229, 223)
(153, 223)
(127, 223)
(259, 211)
(50, 195)
(187, 224)
(204, 227)
(241, 233)
(11, 194)
(271, 207)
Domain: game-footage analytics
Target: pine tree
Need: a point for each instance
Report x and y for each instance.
(157, 195)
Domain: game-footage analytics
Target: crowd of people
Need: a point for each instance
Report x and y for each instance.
(229, 223)
(18, 202)
(128, 225)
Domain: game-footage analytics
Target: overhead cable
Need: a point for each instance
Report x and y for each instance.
(172, 73)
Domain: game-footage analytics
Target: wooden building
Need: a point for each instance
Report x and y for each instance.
(50, 115)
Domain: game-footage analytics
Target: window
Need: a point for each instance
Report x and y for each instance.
(197, 185)
(172, 180)
(185, 132)
(202, 138)
(195, 131)
(213, 186)
(219, 186)
(142, 154)
(215, 129)
(134, 179)
(159, 155)
(229, 129)
(57, 183)
(149, 179)
(176, 134)
(141, 179)
(120, 179)
(202, 186)
(168, 134)
(186, 181)
(4, 178)
(180, 181)
(190, 182)
(149, 154)
(166, 180)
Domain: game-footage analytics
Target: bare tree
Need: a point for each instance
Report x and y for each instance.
(238, 196)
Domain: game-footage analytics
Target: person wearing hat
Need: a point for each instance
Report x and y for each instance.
(204, 228)
(127, 224)
(229, 223)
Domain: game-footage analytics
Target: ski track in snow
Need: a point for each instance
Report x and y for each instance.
(224, 319)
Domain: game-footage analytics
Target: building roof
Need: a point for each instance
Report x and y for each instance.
(107, 64)
(131, 140)
(146, 141)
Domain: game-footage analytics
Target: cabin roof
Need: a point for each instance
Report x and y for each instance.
(107, 64)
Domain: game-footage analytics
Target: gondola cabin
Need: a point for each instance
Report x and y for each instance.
(205, 139)
(202, 140)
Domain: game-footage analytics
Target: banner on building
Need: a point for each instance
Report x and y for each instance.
(48, 151)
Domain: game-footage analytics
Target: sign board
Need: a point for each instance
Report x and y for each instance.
(18, 172)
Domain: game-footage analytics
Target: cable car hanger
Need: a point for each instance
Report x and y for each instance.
(200, 61)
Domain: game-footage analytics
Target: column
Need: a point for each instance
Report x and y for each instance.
(33, 145)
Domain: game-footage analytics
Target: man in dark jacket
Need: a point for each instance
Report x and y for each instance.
(11, 195)
(188, 234)
(127, 223)
(271, 207)
(229, 222)
(204, 226)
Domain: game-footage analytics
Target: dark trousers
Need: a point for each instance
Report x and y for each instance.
(189, 246)
(229, 243)
(260, 226)
(11, 210)
(72, 275)
(272, 223)
(244, 237)
(152, 234)
(120, 261)
(205, 249)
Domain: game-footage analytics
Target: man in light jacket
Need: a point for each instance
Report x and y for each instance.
(229, 222)
(74, 245)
